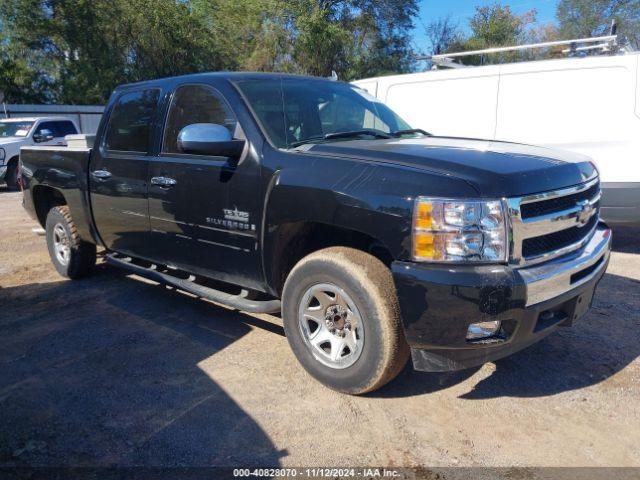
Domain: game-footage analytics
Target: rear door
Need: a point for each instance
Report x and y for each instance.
(203, 209)
(118, 173)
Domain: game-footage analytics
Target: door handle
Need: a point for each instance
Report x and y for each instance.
(163, 182)
(101, 174)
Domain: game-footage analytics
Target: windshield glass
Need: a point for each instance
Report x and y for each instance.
(293, 110)
(15, 129)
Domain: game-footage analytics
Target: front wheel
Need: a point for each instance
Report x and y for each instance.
(11, 177)
(342, 320)
(72, 257)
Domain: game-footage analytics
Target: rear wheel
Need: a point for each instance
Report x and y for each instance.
(72, 257)
(342, 320)
(11, 177)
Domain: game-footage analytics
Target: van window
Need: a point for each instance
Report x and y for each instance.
(195, 104)
(130, 122)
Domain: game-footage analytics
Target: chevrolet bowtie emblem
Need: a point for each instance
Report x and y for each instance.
(585, 213)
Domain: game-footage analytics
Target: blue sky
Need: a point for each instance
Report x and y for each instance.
(461, 10)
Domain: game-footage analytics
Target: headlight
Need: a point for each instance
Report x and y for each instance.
(2, 154)
(450, 230)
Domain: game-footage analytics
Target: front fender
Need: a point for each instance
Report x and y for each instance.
(11, 150)
(371, 198)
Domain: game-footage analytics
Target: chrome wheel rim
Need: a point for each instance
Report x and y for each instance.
(61, 244)
(331, 325)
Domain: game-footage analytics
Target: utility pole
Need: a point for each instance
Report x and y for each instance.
(4, 105)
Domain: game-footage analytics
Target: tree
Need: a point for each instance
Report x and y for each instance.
(495, 26)
(18, 82)
(356, 38)
(77, 51)
(442, 34)
(591, 18)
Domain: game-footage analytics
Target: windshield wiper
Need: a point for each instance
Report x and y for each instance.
(346, 134)
(357, 133)
(306, 140)
(409, 131)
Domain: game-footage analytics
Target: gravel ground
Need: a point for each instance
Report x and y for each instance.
(113, 370)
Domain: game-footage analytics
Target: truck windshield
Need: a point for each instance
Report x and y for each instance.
(15, 129)
(293, 111)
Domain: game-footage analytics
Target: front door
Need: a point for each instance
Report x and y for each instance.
(118, 174)
(57, 129)
(203, 209)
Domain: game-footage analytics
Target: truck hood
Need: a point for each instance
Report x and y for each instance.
(8, 140)
(495, 169)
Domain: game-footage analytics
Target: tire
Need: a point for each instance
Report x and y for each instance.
(72, 257)
(364, 294)
(11, 177)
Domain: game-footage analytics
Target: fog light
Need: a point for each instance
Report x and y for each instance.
(483, 329)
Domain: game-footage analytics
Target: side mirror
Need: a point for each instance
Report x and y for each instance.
(209, 139)
(43, 135)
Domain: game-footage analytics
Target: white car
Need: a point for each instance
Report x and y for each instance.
(22, 132)
(588, 105)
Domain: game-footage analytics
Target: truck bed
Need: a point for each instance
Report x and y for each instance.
(62, 168)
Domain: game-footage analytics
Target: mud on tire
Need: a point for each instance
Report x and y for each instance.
(72, 257)
(11, 177)
(367, 285)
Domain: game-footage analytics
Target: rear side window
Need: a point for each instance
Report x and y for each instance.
(58, 128)
(195, 104)
(65, 128)
(130, 122)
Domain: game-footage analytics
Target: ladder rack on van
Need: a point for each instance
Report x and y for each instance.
(606, 43)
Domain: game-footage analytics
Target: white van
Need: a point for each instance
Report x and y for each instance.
(589, 105)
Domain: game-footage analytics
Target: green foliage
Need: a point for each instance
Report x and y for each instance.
(77, 51)
(494, 25)
(590, 18)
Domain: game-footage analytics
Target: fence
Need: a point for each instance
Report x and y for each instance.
(87, 116)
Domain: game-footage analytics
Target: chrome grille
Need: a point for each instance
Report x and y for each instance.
(550, 224)
(557, 204)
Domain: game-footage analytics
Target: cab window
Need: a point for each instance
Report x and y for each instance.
(57, 128)
(292, 110)
(195, 104)
(130, 123)
(15, 129)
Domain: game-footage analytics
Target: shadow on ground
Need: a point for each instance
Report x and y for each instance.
(105, 371)
(5, 189)
(599, 345)
(626, 239)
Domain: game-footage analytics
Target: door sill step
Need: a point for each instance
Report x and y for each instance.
(239, 302)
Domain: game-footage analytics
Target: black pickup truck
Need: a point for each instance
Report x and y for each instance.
(275, 193)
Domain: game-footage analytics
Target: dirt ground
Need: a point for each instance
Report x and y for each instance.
(113, 370)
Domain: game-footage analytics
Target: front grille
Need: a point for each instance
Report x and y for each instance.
(545, 207)
(536, 246)
(551, 224)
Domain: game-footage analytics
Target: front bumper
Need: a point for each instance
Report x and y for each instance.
(438, 304)
(3, 171)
